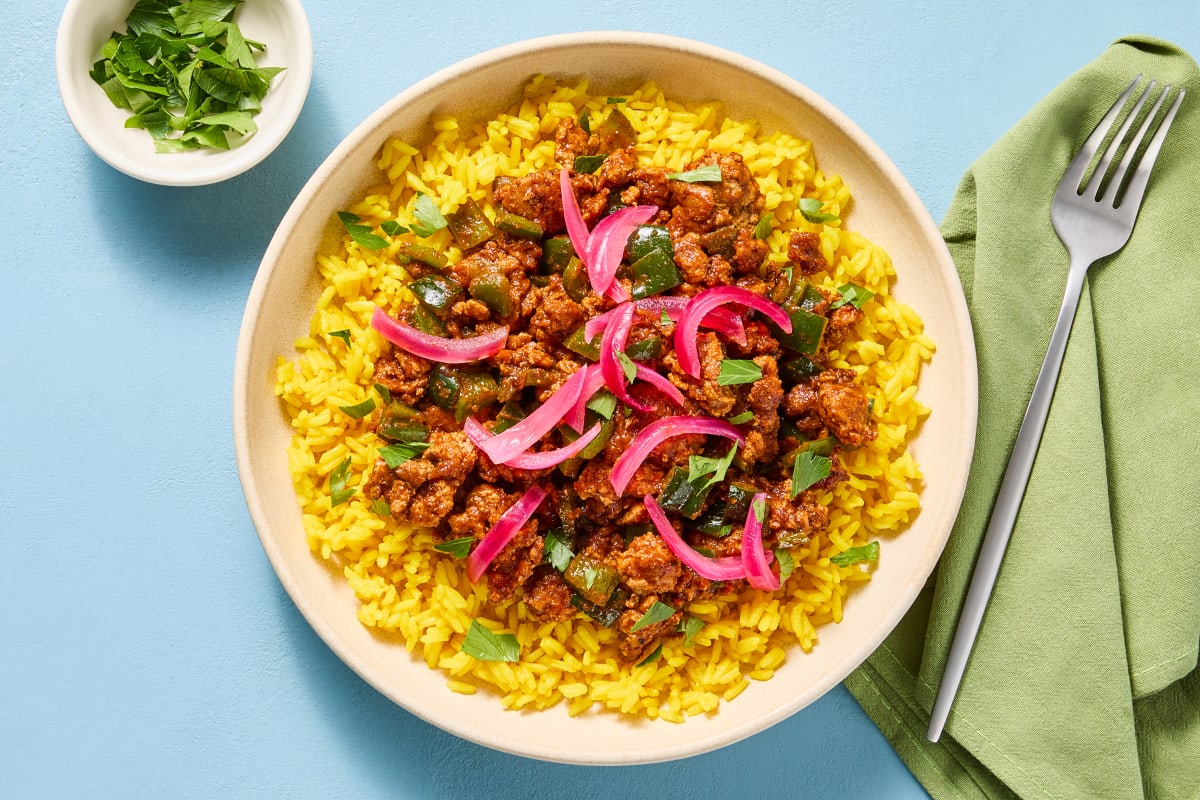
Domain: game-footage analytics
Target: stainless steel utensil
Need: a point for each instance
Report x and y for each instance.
(1093, 213)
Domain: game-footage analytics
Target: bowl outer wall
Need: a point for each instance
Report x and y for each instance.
(886, 210)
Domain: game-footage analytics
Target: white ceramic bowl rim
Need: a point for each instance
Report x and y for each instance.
(516, 733)
(86, 24)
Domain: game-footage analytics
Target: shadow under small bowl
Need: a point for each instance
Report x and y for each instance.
(86, 25)
(886, 210)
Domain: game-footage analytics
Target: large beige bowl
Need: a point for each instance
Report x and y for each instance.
(886, 210)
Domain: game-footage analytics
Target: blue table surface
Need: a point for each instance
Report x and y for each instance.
(146, 647)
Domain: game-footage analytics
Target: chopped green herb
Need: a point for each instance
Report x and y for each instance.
(392, 228)
(666, 318)
(765, 225)
(808, 469)
(396, 454)
(657, 613)
(385, 394)
(483, 644)
(338, 493)
(736, 370)
(741, 418)
(699, 466)
(428, 216)
(787, 564)
(857, 555)
(705, 174)
(759, 507)
(655, 654)
(459, 548)
(627, 366)
(359, 410)
(690, 626)
(603, 403)
(852, 294)
(810, 209)
(361, 234)
(590, 574)
(185, 73)
(586, 165)
(344, 335)
(556, 550)
(585, 122)
(612, 101)
(381, 508)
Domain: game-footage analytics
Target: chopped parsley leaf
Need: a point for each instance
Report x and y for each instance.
(359, 410)
(483, 644)
(361, 234)
(810, 209)
(428, 216)
(657, 613)
(852, 294)
(707, 174)
(338, 493)
(459, 548)
(737, 370)
(857, 555)
(808, 469)
(396, 454)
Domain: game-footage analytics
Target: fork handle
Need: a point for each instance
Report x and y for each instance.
(1008, 503)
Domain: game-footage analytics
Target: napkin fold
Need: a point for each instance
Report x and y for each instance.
(1083, 682)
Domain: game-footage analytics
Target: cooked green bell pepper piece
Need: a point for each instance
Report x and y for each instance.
(510, 414)
(436, 292)
(469, 225)
(653, 273)
(521, 227)
(592, 578)
(556, 254)
(648, 239)
(720, 242)
(424, 320)
(682, 496)
(398, 424)
(588, 348)
(494, 291)
(727, 512)
(798, 369)
(443, 386)
(607, 614)
(476, 391)
(425, 255)
(807, 329)
(575, 280)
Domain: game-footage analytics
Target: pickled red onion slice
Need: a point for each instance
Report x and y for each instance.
(577, 230)
(611, 343)
(503, 531)
(687, 329)
(728, 568)
(544, 460)
(754, 560)
(517, 439)
(659, 431)
(437, 348)
(721, 320)
(592, 382)
(606, 246)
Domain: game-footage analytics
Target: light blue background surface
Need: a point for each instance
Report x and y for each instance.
(146, 647)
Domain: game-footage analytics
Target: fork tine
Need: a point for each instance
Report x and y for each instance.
(1073, 177)
(1131, 201)
(1097, 179)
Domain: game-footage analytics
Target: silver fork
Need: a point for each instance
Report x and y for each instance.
(1093, 219)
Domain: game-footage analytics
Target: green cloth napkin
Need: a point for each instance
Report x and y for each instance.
(1083, 682)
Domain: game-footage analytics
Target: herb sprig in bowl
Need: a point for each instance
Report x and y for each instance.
(186, 73)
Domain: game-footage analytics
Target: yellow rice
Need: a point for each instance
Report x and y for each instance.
(421, 598)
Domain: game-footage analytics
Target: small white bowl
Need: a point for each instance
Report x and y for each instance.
(87, 24)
